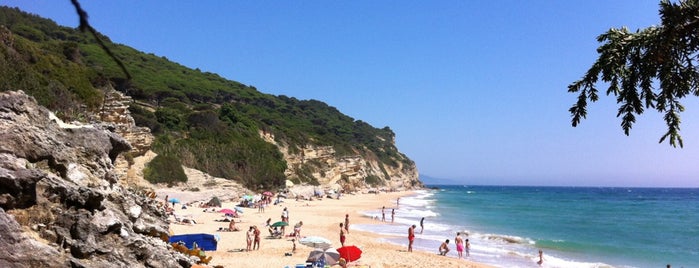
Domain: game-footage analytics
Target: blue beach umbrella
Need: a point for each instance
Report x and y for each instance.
(174, 200)
(239, 210)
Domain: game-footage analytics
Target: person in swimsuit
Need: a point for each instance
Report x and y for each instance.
(444, 248)
(383, 213)
(256, 243)
(422, 226)
(342, 235)
(250, 235)
(411, 237)
(459, 245)
(393, 214)
(347, 223)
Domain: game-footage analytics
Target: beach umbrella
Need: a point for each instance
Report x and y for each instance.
(350, 253)
(248, 197)
(174, 200)
(280, 224)
(227, 211)
(268, 193)
(238, 209)
(330, 255)
(315, 242)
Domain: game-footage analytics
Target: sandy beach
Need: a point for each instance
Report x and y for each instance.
(320, 218)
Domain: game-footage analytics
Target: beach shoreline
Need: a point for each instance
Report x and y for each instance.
(320, 218)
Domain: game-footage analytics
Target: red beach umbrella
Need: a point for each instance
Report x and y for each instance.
(350, 253)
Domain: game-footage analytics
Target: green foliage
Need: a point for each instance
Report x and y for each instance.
(199, 118)
(164, 169)
(633, 64)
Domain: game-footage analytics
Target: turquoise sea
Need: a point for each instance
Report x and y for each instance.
(574, 226)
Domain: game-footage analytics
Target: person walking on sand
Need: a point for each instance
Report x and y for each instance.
(347, 223)
(459, 245)
(444, 248)
(250, 235)
(422, 226)
(383, 214)
(342, 235)
(411, 237)
(256, 232)
(393, 214)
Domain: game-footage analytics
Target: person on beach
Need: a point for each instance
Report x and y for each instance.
(422, 224)
(250, 235)
(393, 214)
(541, 257)
(342, 235)
(261, 206)
(268, 222)
(347, 223)
(285, 215)
(383, 213)
(397, 201)
(297, 230)
(444, 248)
(411, 237)
(256, 232)
(232, 227)
(459, 245)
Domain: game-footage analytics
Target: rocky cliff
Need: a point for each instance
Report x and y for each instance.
(321, 163)
(60, 205)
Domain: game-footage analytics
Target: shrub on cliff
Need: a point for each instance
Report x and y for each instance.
(164, 169)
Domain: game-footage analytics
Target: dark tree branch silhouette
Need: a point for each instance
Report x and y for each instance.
(85, 26)
(652, 68)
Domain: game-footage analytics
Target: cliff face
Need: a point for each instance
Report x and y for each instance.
(60, 205)
(321, 163)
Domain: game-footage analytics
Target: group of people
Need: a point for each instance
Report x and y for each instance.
(344, 229)
(253, 238)
(461, 246)
(383, 213)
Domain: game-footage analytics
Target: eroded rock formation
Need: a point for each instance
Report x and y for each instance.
(60, 205)
(348, 172)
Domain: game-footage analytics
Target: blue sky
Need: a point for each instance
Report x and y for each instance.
(475, 91)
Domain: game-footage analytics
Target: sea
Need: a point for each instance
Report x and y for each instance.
(582, 227)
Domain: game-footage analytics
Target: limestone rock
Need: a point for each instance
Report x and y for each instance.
(348, 172)
(60, 205)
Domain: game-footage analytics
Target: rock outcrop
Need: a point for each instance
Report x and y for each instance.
(60, 205)
(348, 172)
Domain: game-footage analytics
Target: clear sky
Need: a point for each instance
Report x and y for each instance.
(475, 91)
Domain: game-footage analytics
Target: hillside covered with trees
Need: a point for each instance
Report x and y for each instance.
(199, 118)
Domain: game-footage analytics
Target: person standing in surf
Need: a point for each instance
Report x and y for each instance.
(383, 213)
(411, 237)
(459, 245)
(393, 214)
(422, 226)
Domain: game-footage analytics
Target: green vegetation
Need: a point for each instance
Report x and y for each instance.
(199, 118)
(164, 169)
(652, 68)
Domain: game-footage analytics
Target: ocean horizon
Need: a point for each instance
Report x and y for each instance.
(574, 226)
